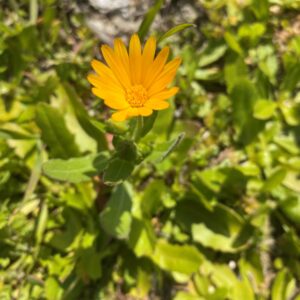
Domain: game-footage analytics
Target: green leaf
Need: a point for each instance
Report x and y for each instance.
(90, 263)
(53, 289)
(264, 109)
(291, 112)
(179, 259)
(55, 133)
(211, 53)
(269, 66)
(212, 74)
(221, 229)
(35, 174)
(291, 77)
(149, 18)
(42, 223)
(34, 9)
(292, 181)
(174, 30)
(148, 124)
(228, 286)
(84, 119)
(142, 237)
(210, 238)
(274, 179)
(244, 97)
(282, 286)
(291, 208)
(187, 296)
(235, 70)
(243, 290)
(260, 8)
(13, 134)
(233, 43)
(252, 32)
(170, 147)
(116, 216)
(287, 143)
(163, 124)
(76, 170)
(152, 197)
(82, 197)
(216, 182)
(117, 170)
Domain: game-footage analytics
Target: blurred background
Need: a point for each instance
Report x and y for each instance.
(216, 219)
(108, 19)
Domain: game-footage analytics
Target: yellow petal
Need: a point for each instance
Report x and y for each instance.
(103, 71)
(145, 111)
(133, 112)
(148, 55)
(103, 82)
(121, 53)
(165, 94)
(135, 59)
(157, 104)
(116, 104)
(120, 115)
(165, 78)
(93, 79)
(110, 95)
(114, 64)
(156, 67)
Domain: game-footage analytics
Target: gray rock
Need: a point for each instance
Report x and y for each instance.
(121, 18)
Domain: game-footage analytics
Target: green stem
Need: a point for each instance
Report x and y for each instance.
(138, 128)
(33, 11)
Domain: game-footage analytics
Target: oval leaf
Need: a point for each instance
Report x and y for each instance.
(55, 132)
(117, 170)
(76, 170)
(264, 109)
(116, 217)
(174, 258)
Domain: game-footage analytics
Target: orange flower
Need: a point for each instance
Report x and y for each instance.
(134, 84)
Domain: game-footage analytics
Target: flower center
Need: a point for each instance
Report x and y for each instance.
(136, 95)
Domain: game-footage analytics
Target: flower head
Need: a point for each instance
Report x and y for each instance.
(134, 82)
